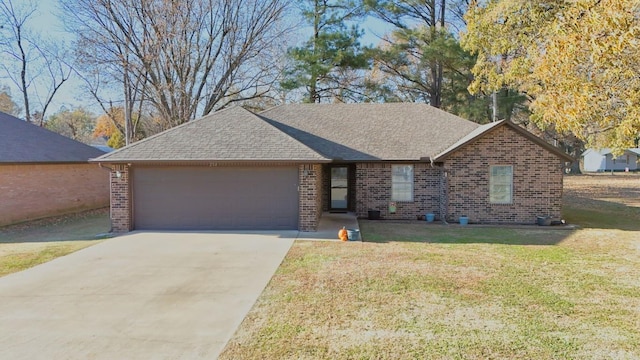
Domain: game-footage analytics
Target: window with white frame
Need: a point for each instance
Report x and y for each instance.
(402, 182)
(501, 184)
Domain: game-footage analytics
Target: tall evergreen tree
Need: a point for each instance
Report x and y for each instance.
(422, 60)
(417, 26)
(326, 65)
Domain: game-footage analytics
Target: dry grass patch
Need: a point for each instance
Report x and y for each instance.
(32, 243)
(450, 292)
(619, 188)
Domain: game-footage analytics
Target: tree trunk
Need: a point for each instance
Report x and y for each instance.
(436, 65)
(313, 87)
(23, 76)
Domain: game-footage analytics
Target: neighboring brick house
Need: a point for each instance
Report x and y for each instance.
(283, 167)
(45, 174)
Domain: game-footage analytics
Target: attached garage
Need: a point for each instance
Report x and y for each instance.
(235, 169)
(215, 198)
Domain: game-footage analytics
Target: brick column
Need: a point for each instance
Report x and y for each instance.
(120, 199)
(310, 196)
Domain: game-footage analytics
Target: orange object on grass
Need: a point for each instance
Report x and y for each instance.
(342, 234)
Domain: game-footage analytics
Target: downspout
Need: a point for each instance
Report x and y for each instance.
(441, 193)
(443, 197)
(105, 167)
(110, 192)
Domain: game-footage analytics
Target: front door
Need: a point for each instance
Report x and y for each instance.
(339, 188)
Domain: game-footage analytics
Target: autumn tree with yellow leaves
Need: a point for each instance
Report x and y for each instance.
(110, 126)
(577, 61)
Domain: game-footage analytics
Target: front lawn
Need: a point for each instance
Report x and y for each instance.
(417, 291)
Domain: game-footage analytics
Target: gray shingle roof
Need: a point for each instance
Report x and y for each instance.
(313, 132)
(22, 142)
(391, 131)
(227, 135)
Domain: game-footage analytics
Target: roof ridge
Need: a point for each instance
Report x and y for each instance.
(163, 133)
(365, 104)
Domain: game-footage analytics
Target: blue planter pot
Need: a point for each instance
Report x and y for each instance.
(464, 220)
(430, 217)
(353, 234)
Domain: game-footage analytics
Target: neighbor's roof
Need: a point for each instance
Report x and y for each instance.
(103, 148)
(22, 142)
(390, 131)
(607, 151)
(234, 134)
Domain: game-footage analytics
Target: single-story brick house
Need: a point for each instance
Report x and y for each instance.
(46, 174)
(594, 160)
(281, 168)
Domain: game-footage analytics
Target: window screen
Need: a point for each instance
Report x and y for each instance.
(501, 184)
(402, 183)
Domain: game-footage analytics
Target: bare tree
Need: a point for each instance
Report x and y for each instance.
(185, 57)
(34, 65)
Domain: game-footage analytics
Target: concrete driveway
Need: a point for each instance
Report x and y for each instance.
(139, 296)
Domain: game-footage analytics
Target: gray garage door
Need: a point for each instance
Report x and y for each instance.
(199, 198)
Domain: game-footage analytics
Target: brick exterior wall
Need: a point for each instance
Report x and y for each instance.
(33, 191)
(373, 191)
(310, 196)
(537, 180)
(121, 211)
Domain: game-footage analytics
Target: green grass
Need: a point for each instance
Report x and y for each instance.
(604, 215)
(418, 291)
(29, 257)
(380, 231)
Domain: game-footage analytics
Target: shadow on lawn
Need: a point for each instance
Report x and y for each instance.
(88, 225)
(600, 214)
(437, 233)
(578, 211)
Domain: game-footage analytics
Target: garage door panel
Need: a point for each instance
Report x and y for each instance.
(215, 198)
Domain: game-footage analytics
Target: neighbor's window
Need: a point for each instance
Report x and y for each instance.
(501, 184)
(402, 182)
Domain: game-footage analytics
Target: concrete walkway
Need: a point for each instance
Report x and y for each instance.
(139, 296)
(330, 224)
